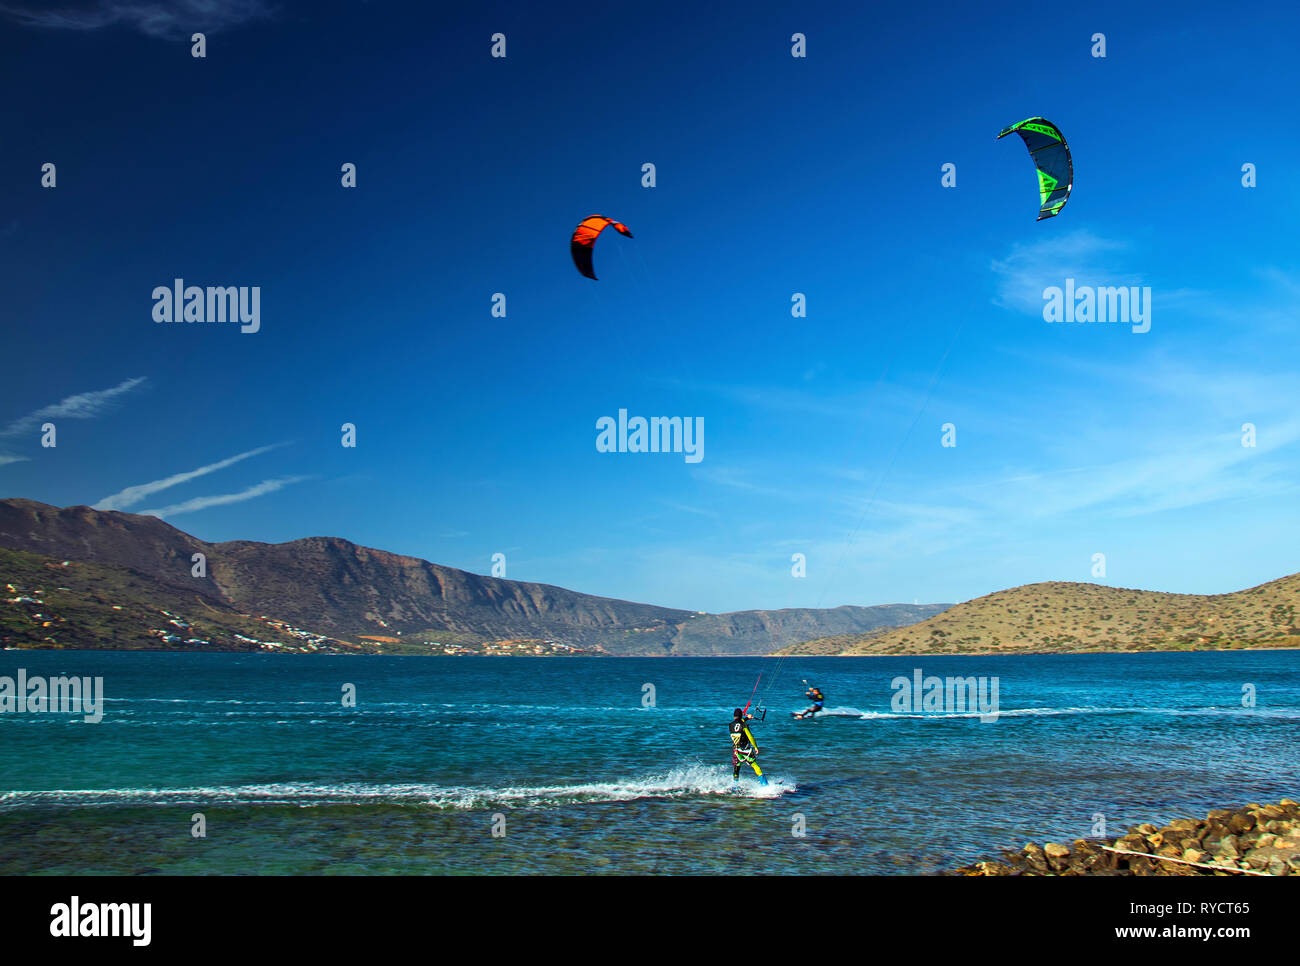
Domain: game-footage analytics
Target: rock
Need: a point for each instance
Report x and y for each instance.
(1181, 835)
(1141, 866)
(1094, 861)
(1057, 855)
(1253, 838)
(1217, 824)
(1133, 843)
(1035, 857)
(1082, 850)
(1241, 822)
(1258, 858)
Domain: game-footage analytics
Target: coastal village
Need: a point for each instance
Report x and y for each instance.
(520, 648)
(34, 610)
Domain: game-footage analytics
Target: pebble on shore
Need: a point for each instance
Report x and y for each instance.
(1263, 839)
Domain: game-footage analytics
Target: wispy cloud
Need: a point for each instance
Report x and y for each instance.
(1166, 450)
(1187, 452)
(742, 479)
(1080, 255)
(163, 19)
(1264, 307)
(203, 502)
(1193, 473)
(134, 494)
(86, 405)
(684, 508)
(6, 458)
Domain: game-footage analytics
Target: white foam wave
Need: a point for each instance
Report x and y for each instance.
(1283, 713)
(686, 782)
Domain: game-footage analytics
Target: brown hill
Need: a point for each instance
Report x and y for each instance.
(1061, 617)
(146, 545)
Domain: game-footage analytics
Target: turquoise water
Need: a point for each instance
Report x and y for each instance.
(585, 779)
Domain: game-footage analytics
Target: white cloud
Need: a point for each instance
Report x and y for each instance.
(163, 19)
(684, 508)
(86, 405)
(1080, 255)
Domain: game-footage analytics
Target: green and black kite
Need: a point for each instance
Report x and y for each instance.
(1051, 157)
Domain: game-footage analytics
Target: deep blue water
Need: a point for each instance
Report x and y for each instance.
(587, 779)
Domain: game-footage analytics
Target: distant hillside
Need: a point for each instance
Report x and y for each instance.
(52, 603)
(1070, 617)
(834, 646)
(334, 588)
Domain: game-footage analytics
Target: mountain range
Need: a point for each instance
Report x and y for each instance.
(344, 596)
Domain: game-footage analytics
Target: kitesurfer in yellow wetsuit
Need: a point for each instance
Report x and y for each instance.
(744, 750)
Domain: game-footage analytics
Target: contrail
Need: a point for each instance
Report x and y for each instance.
(134, 494)
(203, 502)
(85, 405)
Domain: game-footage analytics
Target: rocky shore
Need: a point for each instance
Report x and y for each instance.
(1254, 840)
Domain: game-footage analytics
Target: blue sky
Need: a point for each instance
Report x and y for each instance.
(776, 175)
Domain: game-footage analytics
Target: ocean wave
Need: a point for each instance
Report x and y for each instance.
(686, 782)
(1282, 713)
(463, 707)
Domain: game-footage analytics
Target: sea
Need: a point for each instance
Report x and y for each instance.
(266, 764)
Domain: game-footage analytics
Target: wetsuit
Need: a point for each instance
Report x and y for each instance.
(815, 696)
(743, 749)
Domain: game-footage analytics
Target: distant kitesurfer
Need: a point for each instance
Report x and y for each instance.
(813, 694)
(744, 750)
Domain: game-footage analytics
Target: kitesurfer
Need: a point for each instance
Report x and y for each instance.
(813, 694)
(744, 750)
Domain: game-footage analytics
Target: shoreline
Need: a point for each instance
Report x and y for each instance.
(663, 657)
(1027, 653)
(1254, 839)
